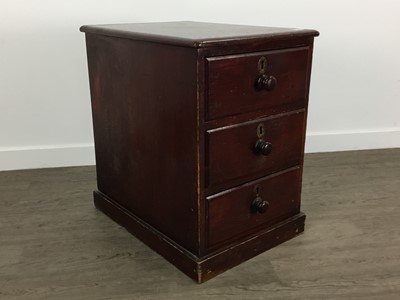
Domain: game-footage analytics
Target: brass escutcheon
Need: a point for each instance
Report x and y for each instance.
(262, 65)
(260, 130)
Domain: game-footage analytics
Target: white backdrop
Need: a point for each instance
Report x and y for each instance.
(45, 116)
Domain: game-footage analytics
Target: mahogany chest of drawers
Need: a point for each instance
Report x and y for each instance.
(199, 136)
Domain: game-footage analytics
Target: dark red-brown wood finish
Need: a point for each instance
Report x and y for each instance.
(231, 81)
(199, 136)
(232, 154)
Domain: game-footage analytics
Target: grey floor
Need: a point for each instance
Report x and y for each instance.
(55, 245)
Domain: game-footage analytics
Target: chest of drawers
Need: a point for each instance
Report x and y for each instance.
(199, 135)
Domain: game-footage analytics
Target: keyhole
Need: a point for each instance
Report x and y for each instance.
(260, 130)
(257, 190)
(262, 65)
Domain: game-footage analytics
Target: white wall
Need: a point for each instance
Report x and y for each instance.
(45, 116)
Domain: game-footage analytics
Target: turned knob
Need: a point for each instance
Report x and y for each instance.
(259, 205)
(266, 82)
(263, 147)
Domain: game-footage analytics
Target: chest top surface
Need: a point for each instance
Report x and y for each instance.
(196, 34)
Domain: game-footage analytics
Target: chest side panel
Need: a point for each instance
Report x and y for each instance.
(144, 101)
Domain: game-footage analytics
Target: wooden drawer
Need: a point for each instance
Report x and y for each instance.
(232, 82)
(231, 156)
(232, 213)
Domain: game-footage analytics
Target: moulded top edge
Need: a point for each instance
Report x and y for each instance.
(196, 34)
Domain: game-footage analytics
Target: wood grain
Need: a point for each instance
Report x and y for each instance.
(231, 158)
(55, 245)
(145, 131)
(231, 82)
(197, 34)
(230, 213)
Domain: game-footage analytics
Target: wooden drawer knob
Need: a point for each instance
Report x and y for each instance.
(259, 205)
(266, 82)
(263, 147)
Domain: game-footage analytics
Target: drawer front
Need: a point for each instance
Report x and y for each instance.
(233, 88)
(233, 155)
(253, 206)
